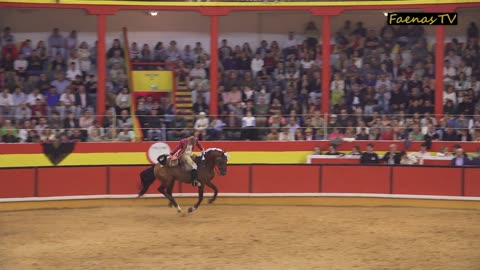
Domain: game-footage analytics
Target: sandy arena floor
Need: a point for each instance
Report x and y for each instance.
(241, 237)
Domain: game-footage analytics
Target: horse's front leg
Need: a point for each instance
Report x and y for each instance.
(200, 199)
(215, 192)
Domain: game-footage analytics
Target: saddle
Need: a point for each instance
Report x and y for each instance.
(173, 161)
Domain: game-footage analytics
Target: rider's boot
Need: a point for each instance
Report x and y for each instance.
(195, 182)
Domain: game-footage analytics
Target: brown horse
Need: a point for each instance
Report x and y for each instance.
(167, 175)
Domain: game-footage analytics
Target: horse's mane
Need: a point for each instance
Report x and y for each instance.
(217, 149)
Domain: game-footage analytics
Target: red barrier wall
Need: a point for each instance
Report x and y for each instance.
(427, 181)
(285, 179)
(472, 182)
(17, 183)
(236, 181)
(98, 180)
(72, 181)
(126, 180)
(361, 179)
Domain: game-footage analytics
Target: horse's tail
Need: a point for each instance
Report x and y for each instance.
(147, 177)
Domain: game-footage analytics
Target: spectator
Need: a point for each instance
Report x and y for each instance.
(407, 159)
(94, 136)
(286, 135)
(77, 135)
(126, 135)
(56, 43)
(369, 157)
(249, 127)
(460, 159)
(125, 120)
(6, 103)
(123, 101)
(9, 137)
(317, 150)
(443, 152)
(423, 151)
(116, 49)
(61, 84)
(202, 123)
(392, 156)
(256, 65)
(332, 151)
(73, 71)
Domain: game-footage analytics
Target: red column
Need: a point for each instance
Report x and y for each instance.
(214, 65)
(326, 64)
(101, 65)
(439, 58)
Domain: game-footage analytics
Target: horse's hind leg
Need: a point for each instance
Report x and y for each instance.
(215, 192)
(172, 199)
(200, 199)
(167, 195)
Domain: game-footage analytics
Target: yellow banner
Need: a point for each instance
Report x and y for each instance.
(152, 80)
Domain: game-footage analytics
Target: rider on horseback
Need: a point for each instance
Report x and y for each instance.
(184, 152)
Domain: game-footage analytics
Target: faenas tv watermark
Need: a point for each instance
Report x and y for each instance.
(398, 18)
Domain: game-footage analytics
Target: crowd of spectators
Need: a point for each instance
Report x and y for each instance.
(48, 91)
(382, 88)
(394, 157)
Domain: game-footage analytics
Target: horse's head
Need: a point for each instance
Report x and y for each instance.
(219, 159)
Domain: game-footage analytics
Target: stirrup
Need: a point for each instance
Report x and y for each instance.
(196, 183)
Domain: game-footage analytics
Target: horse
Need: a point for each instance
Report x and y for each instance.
(167, 174)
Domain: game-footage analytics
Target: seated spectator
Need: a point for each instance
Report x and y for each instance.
(116, 59)
(317, 150)
(20, 65)
(249, 127)
(125, 120)
(200, 106)
(94, 136)
(9, 137)
(460, 160)
(35, 64)
(6, 103)
(336, 135)
(86, 120)
(77, 135)
(61, 84)
(73, 71)
(443, 152)
(67, 102)
(38, 110)
(111, 135)
(272, 135)
(47, 135)
(214, 131)
(407, 159)
(126, 135)
(122, 101)
(178, 129)
(309, 134)
(355, 151)
(450, 135)
(332, 151)
(202, 123)
(71, 122)
(156, 128)
(23, 112)
(392, 157)
(33, 136)
(416, 134)
(369, 157)
(286, 135)
(423, 151)
(25, 129)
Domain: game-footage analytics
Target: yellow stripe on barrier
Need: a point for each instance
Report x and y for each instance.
(140, 158)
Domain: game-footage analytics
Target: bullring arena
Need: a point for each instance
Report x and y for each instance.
(70, 161)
